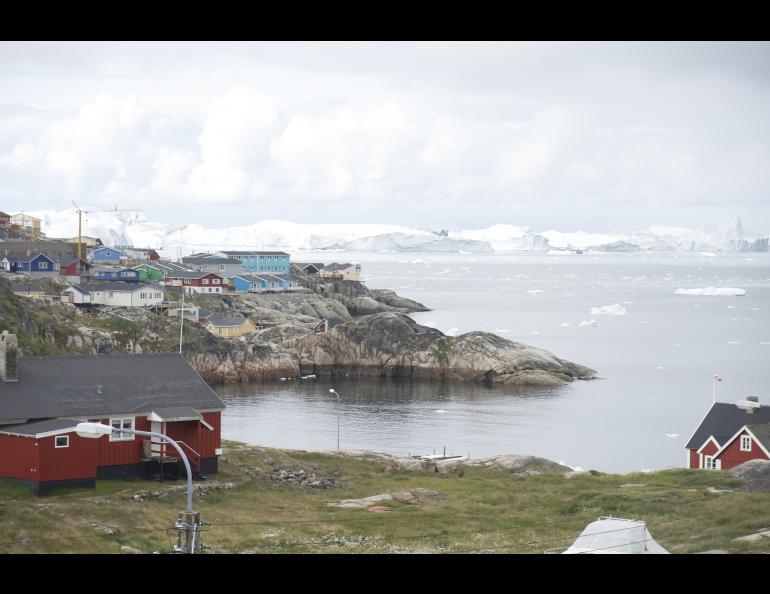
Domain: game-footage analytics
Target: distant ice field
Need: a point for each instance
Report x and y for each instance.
(656, 360)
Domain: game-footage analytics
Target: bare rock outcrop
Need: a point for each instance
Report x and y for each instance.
(394, 345)
(755, 474)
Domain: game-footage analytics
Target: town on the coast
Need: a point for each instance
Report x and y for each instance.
(72, 360)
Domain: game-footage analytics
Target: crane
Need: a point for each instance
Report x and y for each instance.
(80, 222)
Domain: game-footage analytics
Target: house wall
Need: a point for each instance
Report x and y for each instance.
(113, 453)
(126, 298)
(694, 459)
(105, 255)
(709, 450)
(78, 461)
(231, 331)
(19, 458)
(732, 455)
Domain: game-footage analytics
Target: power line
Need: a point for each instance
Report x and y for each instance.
(105, 534)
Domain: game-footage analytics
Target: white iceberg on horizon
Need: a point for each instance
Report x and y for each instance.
(712, 292)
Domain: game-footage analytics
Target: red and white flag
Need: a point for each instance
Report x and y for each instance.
(717, 378)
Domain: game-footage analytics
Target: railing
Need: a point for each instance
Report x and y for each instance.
(195, 459)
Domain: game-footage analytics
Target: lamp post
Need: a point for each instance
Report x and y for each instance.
(333, 391)
(189, 521)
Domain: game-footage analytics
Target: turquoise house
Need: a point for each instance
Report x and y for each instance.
(260, 262)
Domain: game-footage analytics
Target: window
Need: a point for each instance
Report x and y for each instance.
(125, 423)
(205, 281)
(745, 443)
(221, 266)
(709, 463)
(62, 441)
(215, 281)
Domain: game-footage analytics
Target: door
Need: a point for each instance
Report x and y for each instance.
(156, 444)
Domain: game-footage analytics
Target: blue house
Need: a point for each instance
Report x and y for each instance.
(33, 264)
(106, 255)
(108, 273)
(261, 262)
(264, 282)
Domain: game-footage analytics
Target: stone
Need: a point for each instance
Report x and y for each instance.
(404, 497)
(130, 550)
(755, 474)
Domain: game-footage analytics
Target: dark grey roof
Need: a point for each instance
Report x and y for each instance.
(38, 427)
(302, 265)
(177, 413)
(762, 433)
(212, 260)
(27, 288)
(253, 253)
(222, 320)
(23, 257)
(189, 273)
(723, 421)
(335, 267)
(114, 286)
(204, 313)
(88, 386)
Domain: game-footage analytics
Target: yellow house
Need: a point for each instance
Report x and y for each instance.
(229, 326)
(342, 271)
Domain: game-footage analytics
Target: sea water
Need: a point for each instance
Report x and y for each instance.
(654, 351)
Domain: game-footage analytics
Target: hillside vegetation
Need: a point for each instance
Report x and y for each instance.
(276, 501)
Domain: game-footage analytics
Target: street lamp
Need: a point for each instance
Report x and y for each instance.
(333, 391)
(191, 521)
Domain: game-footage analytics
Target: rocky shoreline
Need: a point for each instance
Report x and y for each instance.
(370, 334)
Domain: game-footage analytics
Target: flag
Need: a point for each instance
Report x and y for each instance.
(717, 378)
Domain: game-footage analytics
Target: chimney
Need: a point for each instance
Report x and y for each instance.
(9, 352)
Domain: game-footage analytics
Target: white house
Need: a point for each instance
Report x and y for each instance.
(117, 294)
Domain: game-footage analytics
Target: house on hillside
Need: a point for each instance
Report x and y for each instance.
(133, 253)
(255, 262)
(224, 267)
(28, 290)
(116, 294)
(149, 271)
(35, 264)
(729, 435)
(265, 283)
(42, 399)
(27, 223)
(229, 326)
(196, 282)
(106, 255)
(342, 271)
(5, 219)
(74, 267)
(113, 273)
(307, 267)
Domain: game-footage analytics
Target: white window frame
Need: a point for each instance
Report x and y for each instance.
(214, 281)
(204, 281)
(745, 443)
(709, 463)
(42, 265)
(56, 441)
(122, 421)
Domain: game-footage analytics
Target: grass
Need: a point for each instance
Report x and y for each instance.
(484, 511)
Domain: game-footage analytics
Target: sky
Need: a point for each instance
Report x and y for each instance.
(593, 136)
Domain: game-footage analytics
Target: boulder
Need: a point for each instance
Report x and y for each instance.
(755, 474)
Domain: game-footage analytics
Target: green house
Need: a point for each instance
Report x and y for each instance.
(148, 271)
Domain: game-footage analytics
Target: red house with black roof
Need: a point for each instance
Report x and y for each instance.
(729, 435)
(42, 399)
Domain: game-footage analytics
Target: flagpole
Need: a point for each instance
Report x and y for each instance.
(714, 379)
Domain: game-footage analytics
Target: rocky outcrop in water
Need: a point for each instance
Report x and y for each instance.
(394, 345)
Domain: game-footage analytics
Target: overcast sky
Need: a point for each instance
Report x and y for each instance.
(591, 136)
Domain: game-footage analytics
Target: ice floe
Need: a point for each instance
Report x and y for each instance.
(591, 323)
(712, 292)
(609, 310)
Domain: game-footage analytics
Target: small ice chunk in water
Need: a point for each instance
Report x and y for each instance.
(733, 342)
(712, 292)
(566, 324)
(591, 323)
(534, 291)
(765, 343)
(502, 330)
(534, 333)
(609, 310)
(440, 411)
(659, 367)
(672, 435)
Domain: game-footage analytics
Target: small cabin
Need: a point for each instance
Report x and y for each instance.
(729, 435)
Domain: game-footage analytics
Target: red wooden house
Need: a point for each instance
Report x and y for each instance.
(42, 399)
(730, 435)
(73, 267)
(196, 281)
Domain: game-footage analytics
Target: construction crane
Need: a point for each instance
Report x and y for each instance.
(80, 222)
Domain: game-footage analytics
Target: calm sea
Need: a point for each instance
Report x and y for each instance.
(655, 361)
